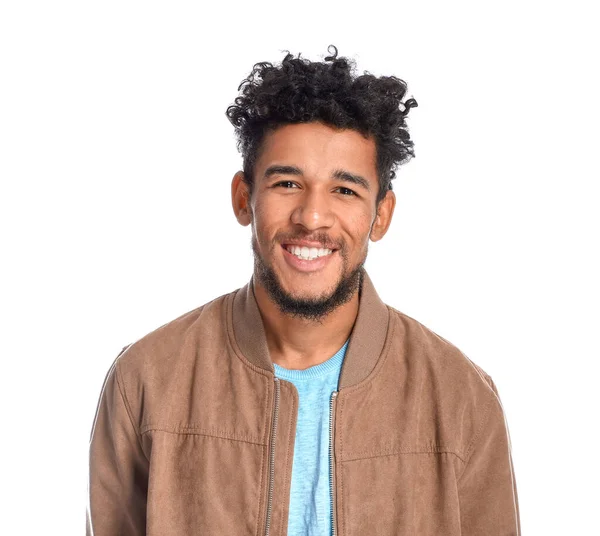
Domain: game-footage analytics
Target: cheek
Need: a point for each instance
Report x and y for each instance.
(358, 227)
(271, 215)
(266, 223)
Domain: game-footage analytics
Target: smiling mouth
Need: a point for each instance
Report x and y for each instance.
(307, 254)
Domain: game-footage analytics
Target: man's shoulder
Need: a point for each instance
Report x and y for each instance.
(455, 395)
(161, 347)
(433, 354)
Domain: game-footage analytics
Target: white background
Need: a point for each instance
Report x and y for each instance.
(116, 160)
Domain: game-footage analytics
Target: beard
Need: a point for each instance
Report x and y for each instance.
(312, 309)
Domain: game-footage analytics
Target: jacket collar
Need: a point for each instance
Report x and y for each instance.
(366, 339)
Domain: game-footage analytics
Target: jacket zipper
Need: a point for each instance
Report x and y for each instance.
(272, 458)
(331, 462)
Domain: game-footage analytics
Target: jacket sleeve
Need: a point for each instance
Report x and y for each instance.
(487, 488)
(118, 467)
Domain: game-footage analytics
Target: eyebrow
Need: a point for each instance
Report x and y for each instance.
(339, 174)
(353, 178)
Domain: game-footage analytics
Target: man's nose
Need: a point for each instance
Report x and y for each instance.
(313, 211)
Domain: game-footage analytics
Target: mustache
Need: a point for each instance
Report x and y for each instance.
(323, 239)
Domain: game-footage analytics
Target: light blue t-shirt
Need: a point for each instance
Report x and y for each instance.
(310, 494)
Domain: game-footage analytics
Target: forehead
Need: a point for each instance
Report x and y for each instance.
(318, 149)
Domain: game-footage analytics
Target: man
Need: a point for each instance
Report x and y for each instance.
(301, 404)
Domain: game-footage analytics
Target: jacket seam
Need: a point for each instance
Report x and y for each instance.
(471, 447)
(339, 475)
(287, 455)
(260, 491)
(268, 401)
(393, 452)
(262, 499)
(121, 389)
(190, 430)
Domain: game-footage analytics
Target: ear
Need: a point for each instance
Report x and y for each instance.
(240, 199)
(385, 211)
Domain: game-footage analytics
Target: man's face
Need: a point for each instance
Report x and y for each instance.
(314, 187)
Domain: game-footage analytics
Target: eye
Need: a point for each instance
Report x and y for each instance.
(283, 182)
(352, 192)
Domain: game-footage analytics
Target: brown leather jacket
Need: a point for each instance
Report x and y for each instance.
(194, 435)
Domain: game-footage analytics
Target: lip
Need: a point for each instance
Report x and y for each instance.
(307, 266)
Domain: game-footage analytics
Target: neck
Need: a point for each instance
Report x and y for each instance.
(297, 343)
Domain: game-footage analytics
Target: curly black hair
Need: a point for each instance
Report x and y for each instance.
(301, 91)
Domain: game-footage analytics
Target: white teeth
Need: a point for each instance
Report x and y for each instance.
(308, 254)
